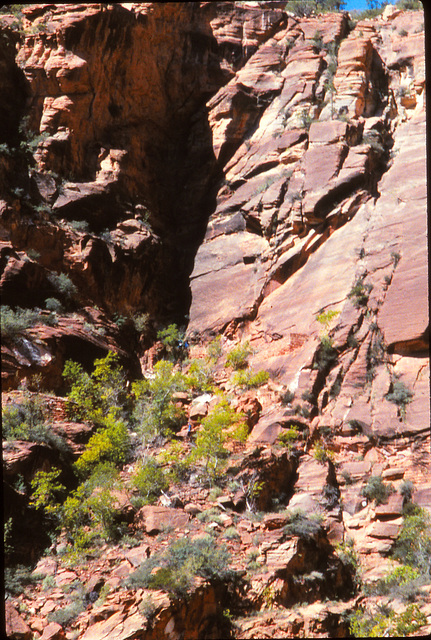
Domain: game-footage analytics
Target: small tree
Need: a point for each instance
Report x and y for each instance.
(155, 411)
(210, 442)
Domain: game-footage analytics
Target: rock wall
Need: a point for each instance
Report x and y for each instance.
(249, 175)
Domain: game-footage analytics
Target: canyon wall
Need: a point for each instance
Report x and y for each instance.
(250, 176)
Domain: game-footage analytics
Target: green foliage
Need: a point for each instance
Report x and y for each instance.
(155, 412)
(289, 436)
(215, 350)
(305, 119)
(406, 490)
(53, 304)
(359, 293)
(15, 322)
(326, 317)
(199, 376)
(386, 623)
(347, 553)
(413, 544)
(321, 453)
(237, 358)
(111, 443)
(212, 436)
(173, 340)
(410, 5)
(326, 355)
(28, 421)
(403, 582)
(286, 397)
(301, 525)
(178, 464)
(373, 140)
(395, 256)
(93, 397)
(141, 322)
(318, 41)
(304, 8)
(249, 380)
(17, 578)
(180, 563)
(149, 479)
(66, 615)
(46, 490)
(90, 511)
(79, 225)
(377, 490)
(400, 395)
(62, 283)
(231, 534)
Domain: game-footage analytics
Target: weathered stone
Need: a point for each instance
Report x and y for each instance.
(16, 628)
(154, 519)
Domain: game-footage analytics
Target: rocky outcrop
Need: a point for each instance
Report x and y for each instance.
(248, 175)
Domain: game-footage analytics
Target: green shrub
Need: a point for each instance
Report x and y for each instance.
(46, 491)
(173, 339)
(237, 358)
(288, 436)
(286, 397)
(301, 525)
(89, 512)
(199, 376)
(413, 544)
(141, 322)
(111, 443)
(347, 554)
(249, 380)
(386, 623)
(15, 322)
(149, 479)
(212, 436)
(62, 283)
(79, 225)
(400, 395)
(93, 397)
(155, 412)
(360, 293)
(410, 5)
(66, 615)
(377, 490)
(326, 355)
(180, 563)
(53, 304)
(17, 578)
(174, 457)
(210, 515)
(318, 41)
(215, 350)
(27, 420)
(326, 317)
(403, 582)
(231, 534)
(321, 453)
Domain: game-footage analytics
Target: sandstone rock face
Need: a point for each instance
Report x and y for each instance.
(251, 176)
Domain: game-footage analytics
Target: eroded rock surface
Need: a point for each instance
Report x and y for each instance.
(242, 172)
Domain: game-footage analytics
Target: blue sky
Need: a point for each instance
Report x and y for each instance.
(360, 4)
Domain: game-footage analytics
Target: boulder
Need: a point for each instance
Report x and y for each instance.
(153, 519)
